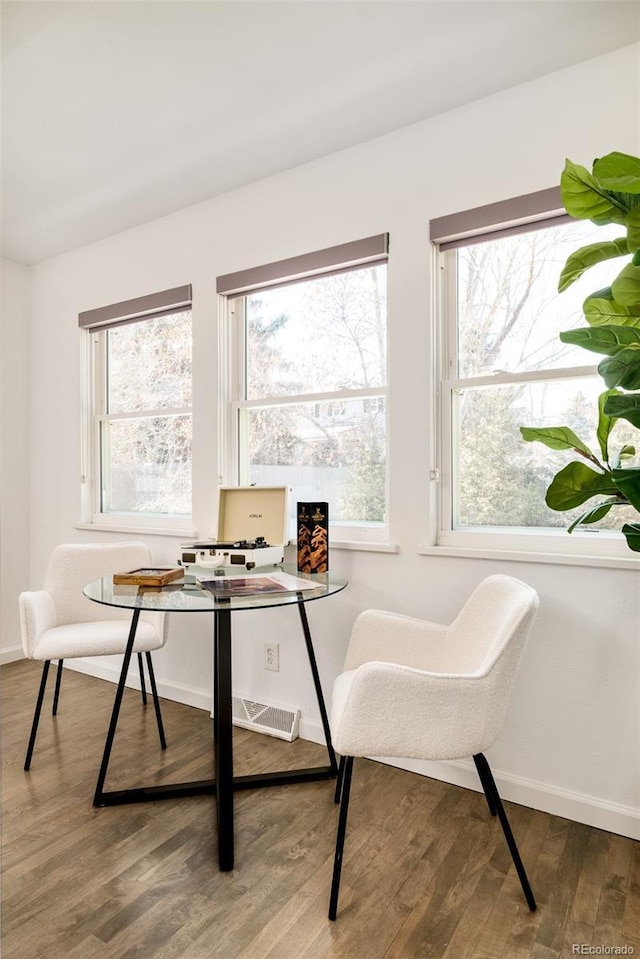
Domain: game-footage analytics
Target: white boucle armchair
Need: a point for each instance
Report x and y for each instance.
(59, 622)
(418, 690)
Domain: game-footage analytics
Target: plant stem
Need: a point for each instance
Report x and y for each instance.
(593, 459)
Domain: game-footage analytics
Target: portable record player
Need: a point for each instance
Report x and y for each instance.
(252, 531)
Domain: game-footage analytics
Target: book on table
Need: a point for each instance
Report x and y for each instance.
(255, 584)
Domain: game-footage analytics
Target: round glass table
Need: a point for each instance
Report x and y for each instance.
(221, 595)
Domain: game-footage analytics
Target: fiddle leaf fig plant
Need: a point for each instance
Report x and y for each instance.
(609, 194)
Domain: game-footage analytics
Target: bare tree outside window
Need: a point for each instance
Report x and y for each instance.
(508, 318)
(315, 415)
(145, 429)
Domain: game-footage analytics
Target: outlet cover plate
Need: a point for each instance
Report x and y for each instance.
(272, 656)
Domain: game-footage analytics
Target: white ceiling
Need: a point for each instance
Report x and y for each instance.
(115, 113)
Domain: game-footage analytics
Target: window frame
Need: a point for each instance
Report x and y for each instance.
(547, 544)
(233, 290)
(94, 331)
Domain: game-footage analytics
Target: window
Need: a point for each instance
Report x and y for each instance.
(138, 469)
(309, 382)
(503, 366)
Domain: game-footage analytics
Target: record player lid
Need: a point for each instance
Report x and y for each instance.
(247, 512)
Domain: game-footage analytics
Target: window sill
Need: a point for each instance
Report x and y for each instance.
(364, 547)
(550, 557)
(184, 534)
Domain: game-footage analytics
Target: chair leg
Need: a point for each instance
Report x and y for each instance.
(487, 782)
(340, 837)
(156, 701)
(143, 688)
(36, 715)
(494, 801)
(56, 692)
(340, 777)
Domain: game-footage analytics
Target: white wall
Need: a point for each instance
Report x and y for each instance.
(14, 461)
(568, 745)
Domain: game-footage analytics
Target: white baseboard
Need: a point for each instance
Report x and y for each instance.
(590, 810)
(579, 807)
(187, 695)
(11, 655)
(311, 731)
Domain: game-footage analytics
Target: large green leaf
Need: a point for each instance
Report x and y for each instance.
(575, 484)
(619, 172)
(605, 425)
(628, 200)
(600, 310)
(585, 199)
(625, 406)
(623, 369)
(555, 437)
(626, 286)
(604, 294)
(592, 515)
(602, 339)
(588, 256)
(632, 223)
(632, 533)
(628, 482)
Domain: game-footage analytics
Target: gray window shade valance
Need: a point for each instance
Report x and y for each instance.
(142, 307)
(520, 214)
(334, 259)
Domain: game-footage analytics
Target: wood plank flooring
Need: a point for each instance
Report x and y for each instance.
(426, 873)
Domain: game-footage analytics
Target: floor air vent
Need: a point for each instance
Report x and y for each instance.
(269, 718)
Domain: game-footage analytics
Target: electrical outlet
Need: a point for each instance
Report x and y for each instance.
(272, 656)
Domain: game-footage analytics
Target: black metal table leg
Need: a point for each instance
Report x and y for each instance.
(98, 796)
(143, 688)
(223, 737)
(156, 701)
(224, 784)
(342, 832)
(316, 682)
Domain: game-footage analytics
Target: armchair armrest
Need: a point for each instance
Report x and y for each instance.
(393, 638)
(159, 621)
(37, 615)
(383, 709)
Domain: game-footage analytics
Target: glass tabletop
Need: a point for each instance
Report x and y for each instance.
(278, 586)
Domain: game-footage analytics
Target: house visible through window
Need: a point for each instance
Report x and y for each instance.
(141, 422)
(309, 398)
(503, 366)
